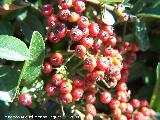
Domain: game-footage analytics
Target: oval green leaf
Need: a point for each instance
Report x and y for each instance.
(141, 35)
(11, 48)
(155, 101)
(32, 68)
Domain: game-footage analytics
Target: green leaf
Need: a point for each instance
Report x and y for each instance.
(12, 48)
(111, 1)
(138, 6)
(32, 68)
(31, 24)
(155, 101)
(8, 78)
(141, 35)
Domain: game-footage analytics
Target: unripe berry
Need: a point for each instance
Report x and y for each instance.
(114, 104)
(88, 116)
(73, 17)
(25, 99)
(116, 113)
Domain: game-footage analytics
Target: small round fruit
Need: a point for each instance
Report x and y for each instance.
(79, 6)
(75, 34)
(56, 59)
(50, 89)
(90, 98)
(80, 51)
(47, 10)
(77, 93)
(73, 17)
(90, 63)
(135, 103)
(63, 14)
(52, 21)
(105, 97)
(65, 87)
(57, 79)
(93, 29)
(87, 42)
(25, 99)
(83, 22)
(90, 108)
(47, 67)
(88, 116)
(66, 98)
(65, 4)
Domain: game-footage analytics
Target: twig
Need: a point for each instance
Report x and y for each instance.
(81, 115)
(63, 113)
(102, 88)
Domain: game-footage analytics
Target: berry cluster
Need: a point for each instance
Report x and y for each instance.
(105, 60)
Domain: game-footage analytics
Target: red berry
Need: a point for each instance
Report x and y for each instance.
(90, 108)
(143, 103)
(57, 33)
(90, 63)
(57, 79)
(79, 6)
(80, 51)
(129, 108)
(25, 99)
(83, 22)
(66, 98)
(109, 52)
(102, 63)
(47, 10)
(116, 113)
(114, 103)
(65, 4)
(47, 67)
(77, 81)
(65, 87)
(112, 41)
(50, 89)
(93, 29)
(63, 14)
(121, 96)
(98, 75)
(145, 111)
(73, 17)
(77, 93)
(98, 44)
(105, 97)
(87, 42)
(122, 117)
(139, 116)
(75, 34)
(121, 86)
(52, 21)
(88, 80)
(90, 98)
(88, 116)
(85, 32)
(123, 106)
(103, 35)
(108, 29)
(56, 59)
(135, 103)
